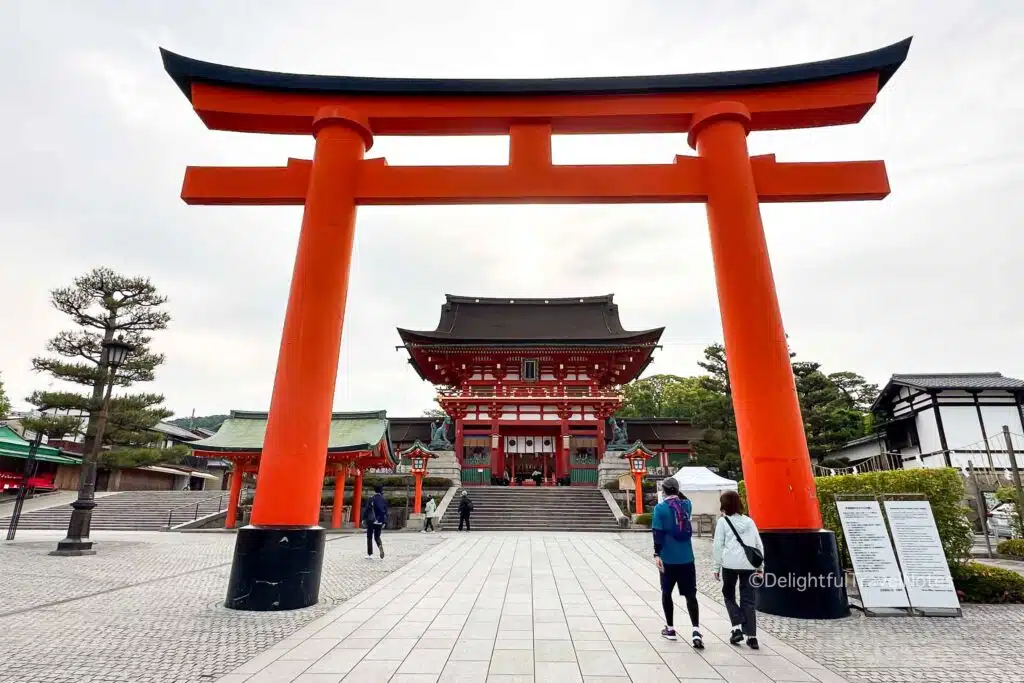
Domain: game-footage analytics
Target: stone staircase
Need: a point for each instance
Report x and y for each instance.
(514, 508)
(131, 511)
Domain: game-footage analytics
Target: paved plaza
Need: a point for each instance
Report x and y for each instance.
(466, 608)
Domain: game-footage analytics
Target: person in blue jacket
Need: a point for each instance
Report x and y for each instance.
(673, 552)
(375, 515)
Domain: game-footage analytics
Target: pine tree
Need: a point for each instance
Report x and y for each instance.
(5, 403)
(103, 305)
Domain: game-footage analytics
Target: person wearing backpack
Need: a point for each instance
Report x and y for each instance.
(673, 552)
(375, 516)
(739, 555)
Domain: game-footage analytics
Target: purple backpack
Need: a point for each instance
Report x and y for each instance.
(682, 530)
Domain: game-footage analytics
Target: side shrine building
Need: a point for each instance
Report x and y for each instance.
(530, 385)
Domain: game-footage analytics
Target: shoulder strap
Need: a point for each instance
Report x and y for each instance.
(736, 533)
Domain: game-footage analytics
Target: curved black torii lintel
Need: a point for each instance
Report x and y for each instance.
(884, 61)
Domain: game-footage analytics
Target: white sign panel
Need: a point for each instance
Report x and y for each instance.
(878, 573)
(925, 570)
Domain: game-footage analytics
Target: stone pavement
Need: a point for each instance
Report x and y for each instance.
(519, 608)
(976, 648)
(147, 607)
(488, 607)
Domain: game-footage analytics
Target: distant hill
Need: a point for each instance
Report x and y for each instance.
(211, 422)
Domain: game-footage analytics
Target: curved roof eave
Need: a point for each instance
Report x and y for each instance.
(883, 61)
(434, 337)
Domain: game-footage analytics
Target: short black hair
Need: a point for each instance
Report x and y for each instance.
(379, 488)
(731, 503)
(670, 486)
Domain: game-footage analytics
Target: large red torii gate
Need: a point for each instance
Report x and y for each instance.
(283, 547)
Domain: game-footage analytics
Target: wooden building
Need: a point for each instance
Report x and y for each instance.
(943, 420)
(357, 443)
(531, 383)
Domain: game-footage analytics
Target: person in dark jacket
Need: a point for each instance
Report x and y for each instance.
(375, 515)
(465, 507)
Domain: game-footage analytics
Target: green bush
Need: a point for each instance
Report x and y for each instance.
(643, 520)
(944, 489)
(1011, 546)
(982, 583)
(648, 485)
(392, 481)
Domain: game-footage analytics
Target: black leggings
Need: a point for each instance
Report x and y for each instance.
(685, 575)
(373, 534)
(429, 524)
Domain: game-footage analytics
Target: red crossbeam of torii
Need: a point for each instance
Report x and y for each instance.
(683, 181)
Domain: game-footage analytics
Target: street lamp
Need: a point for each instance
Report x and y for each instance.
(77, 542)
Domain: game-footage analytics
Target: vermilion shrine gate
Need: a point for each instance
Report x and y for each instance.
(283, 546)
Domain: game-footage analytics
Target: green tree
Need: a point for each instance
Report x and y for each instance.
(434, 412)
(102, 305)
(211, 422)
(5, 403)
(834, 407)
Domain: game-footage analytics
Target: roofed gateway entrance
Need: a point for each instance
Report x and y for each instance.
(530, 383)
(717, 110)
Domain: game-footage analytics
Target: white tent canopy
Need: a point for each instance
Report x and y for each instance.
(702, 487)
(702, 479)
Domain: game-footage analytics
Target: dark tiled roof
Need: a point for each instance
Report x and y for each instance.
(186, 71)
(578, 320)
(968, 380)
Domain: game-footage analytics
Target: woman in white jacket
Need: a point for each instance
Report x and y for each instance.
(732, 565)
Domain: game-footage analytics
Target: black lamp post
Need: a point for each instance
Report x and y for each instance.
(77, 542)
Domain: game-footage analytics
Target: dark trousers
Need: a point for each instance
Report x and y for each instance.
(372, 535)
(428, 524)
(464, 517)
(743, 613)
(684, 576)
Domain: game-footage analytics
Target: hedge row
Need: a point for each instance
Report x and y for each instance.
(392, 481)
(983, 583)
(648, 485)
(1011, 546)
(944, 489)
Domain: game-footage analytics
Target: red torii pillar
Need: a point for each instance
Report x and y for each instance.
(278, 558)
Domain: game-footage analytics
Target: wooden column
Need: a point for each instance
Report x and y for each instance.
(357, 500)
(340, 473)
(237, 474)
(773, 447)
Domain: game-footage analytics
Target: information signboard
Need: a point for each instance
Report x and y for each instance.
(919, 548)
(874, 562)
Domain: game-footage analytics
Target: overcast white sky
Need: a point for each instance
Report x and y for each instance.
(96, 138)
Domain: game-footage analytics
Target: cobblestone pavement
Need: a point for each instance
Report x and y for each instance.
(519, 608)
(147, 607)
(980, 647)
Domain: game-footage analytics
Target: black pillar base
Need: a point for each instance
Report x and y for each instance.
(802, 576)
(71, 547)
(276, 568)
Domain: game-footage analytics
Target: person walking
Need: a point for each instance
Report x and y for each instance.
(375, 516)
(739, 555)
(673, 553)
(428, 517)
(465, 507)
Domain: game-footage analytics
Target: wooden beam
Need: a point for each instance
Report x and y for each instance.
(680, 182)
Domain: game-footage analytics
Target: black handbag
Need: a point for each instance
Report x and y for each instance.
(754, 556)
